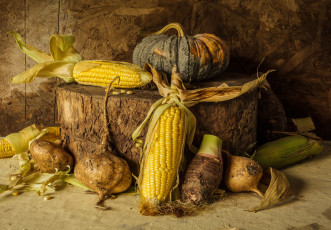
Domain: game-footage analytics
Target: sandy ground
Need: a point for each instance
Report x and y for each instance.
(72, 208)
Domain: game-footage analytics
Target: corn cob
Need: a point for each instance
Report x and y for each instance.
(163, 159)
(101, 73)
(287, 150)
(6, 149)
(53, 135)
(64, 62)
(17, 142)
(53, 130)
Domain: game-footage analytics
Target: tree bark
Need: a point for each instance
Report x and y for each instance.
(80, 114)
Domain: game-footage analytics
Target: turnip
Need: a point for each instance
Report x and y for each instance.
(242, 174)
(102, 171)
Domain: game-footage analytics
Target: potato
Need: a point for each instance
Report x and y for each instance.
(49, 156)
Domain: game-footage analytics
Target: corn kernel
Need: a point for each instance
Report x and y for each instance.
(131, 76)
(16, 193)
(163, 159)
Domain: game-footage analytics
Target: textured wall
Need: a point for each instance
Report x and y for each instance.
(291, 35)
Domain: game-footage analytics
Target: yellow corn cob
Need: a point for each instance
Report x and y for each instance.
(17, 142)
(6, 149)
(53, 130)
(53, 135)
(101, 73)
(163, 159)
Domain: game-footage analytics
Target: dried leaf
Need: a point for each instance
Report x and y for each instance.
(304, 124)
(278, 191)
(62, 69)
(190, 98)
(24, 163)
(59, 63)
(3, 188)
(60, 47)
(35, 54)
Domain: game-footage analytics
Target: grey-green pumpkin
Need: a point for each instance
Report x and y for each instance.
(198, 57)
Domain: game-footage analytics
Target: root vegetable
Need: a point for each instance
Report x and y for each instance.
(204, 173)
(242, 174)
(102, 171)
(163, 147)
(49, 156)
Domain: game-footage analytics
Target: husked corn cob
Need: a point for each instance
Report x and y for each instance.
(52, 135)
(17, 142)
(101, 73)
(53, 130)
(6, 149)
(164, 156)
(287, 150)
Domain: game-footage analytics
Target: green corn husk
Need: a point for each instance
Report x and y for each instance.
(287, 150)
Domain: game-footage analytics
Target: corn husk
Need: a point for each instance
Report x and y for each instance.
(288, 150)
(305, 124)
(20, 140)
(24, 163)
(59, 63)
(62, 61)
(30, 179)
(176, 94)
(277, 191)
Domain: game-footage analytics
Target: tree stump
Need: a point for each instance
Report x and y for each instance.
(80, 114)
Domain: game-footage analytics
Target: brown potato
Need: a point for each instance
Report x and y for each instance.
(49, 156)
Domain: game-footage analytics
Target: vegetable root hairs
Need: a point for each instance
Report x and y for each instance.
(177, 208)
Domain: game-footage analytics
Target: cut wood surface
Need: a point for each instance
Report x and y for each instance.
(80, 114)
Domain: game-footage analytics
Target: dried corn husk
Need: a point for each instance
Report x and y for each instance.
(305, 124)
(20, 140)
(59, 63)
(41, 183)
(278, 191)
(177, 94)
(63, 61)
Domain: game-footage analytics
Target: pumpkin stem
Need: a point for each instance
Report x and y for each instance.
(174, 25)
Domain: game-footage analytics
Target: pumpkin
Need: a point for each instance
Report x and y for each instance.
(198, 57)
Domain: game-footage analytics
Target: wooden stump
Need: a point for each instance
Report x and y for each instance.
(80, 114)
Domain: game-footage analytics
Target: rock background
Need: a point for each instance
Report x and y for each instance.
(291, 36)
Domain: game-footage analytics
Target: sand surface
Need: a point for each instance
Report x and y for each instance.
(72, 208)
